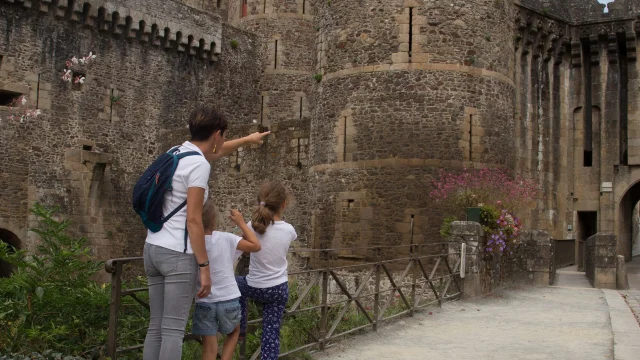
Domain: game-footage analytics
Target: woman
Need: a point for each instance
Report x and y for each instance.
(171, 271)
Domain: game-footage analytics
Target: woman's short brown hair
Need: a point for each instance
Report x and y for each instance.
(204, 121)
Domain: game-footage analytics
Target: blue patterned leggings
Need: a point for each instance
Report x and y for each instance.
(274, 300)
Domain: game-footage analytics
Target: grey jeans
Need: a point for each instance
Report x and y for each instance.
(172, 278)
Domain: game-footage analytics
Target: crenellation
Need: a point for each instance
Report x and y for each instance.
(122, 21)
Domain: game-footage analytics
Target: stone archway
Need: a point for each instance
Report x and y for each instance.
(13, 240)
(628, 238)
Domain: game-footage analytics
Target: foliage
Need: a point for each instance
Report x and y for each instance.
(50, 301)
(50, 305)
(234, 43)
(454, 192)
(499, 195)
(318, 77)
(46, 355)
(445, 229)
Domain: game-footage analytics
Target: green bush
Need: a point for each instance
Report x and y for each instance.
(50, 301)
(50, 306)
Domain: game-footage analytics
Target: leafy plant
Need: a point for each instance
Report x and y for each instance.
(50, 301)
(234, 43)
(318, 77)
(445, 229)
(115, 99)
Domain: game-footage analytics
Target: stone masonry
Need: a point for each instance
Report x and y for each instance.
(365, 100)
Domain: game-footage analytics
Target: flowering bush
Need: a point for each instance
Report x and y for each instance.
(67, 74)
(456, 191)
(501, 227)
(503, 195)
(19, 110)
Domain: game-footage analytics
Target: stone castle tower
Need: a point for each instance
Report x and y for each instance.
(366, 101)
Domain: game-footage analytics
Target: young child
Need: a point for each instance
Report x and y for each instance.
(220, 310)
(267, 279)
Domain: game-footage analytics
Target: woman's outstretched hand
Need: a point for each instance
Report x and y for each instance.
(257, 137)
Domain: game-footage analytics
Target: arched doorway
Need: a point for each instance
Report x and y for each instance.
(12, 239)
(629, 230)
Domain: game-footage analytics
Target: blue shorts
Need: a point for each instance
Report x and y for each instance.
(211, 318)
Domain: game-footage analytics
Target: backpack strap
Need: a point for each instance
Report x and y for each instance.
(186, 236)
(175, 211)
(176, 158)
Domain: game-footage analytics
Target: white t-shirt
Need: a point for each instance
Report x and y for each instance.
(221, 248)
(268, 267)
(192, 171)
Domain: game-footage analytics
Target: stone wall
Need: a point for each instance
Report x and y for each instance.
(576, 113)
(92, 142)
(601, 260)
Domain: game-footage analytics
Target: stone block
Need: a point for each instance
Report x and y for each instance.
(95, 157)
(420, 57)
(16, 88)
(401, 57)
(44, 104)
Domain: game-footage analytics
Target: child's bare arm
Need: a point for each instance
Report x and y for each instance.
(249, 242)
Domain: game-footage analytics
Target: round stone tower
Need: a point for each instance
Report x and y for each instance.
(287, 33)
(408, 87)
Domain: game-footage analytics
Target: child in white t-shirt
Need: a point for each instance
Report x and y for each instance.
(220, 311)
(267, 281)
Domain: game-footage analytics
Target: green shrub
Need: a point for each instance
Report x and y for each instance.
(50, 301)
(50, 305)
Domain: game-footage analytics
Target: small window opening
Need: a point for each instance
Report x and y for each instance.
(344, 145)
(350, 203)
(470, 137)
(300, 107)
(87, 147)
(588, 158)
(219, 4)
(275, 55)
(8, 98)
(410, 32)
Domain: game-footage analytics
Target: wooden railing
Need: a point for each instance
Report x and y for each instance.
(383, 283)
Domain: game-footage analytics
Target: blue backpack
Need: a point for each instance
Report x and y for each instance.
(148, 193)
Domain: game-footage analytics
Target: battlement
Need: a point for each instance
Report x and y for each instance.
(168, 24)
(584, 11)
